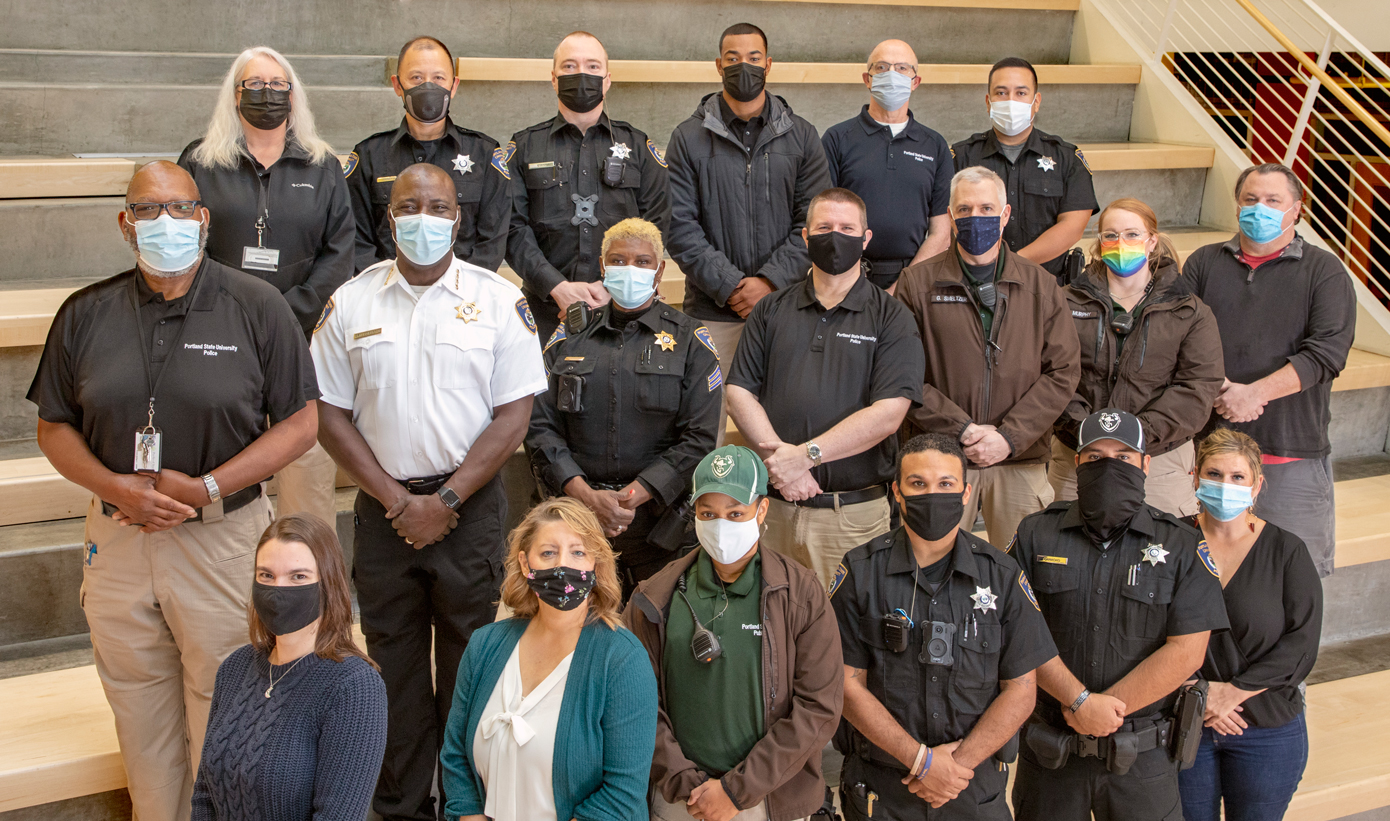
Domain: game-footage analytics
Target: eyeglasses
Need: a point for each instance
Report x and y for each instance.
(180, 210)
(261, 85)
(905, 69)
(1127, 236)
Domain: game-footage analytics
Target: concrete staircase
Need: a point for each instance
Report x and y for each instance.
(70, 107)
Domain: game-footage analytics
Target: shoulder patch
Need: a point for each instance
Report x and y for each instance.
(1085, 164)
(702, 333)
(503, 155)
(715, 379)
(555, 337)
(952, 149)
(1028, 591)
(840, 572)
(350, 165)
(656, 154)
(327, 312)
(1009, 548)
(1204, 554)
(523, 310)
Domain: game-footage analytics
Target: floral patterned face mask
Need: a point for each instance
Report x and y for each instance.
(563, 588)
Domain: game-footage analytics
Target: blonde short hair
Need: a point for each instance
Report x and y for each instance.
(1164, 251)
(1223, 441)
(605, 602)
(633, 228)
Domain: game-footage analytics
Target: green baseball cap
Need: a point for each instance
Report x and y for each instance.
(732, 470)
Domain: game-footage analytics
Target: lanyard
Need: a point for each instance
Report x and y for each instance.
(262, 208)
(151, 381)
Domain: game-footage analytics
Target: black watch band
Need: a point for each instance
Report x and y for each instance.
(450, 499)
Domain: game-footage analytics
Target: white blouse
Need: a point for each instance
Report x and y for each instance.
(514, 747)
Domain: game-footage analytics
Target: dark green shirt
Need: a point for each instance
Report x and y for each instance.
(716, 709)
(975, 276)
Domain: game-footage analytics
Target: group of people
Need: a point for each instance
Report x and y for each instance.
(679, 626)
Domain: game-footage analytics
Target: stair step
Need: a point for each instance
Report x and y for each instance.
(1038, 5)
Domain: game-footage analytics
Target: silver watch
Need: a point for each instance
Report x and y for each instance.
(813, 452)
(211, 484)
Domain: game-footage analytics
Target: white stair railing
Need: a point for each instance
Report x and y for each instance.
(1289, 84)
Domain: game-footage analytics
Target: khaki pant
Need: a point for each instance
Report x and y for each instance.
(1005, 493)
(165, 609)
(1168, 488)
(726, 336)
(818, 538)
(308, 485)
(661, 811)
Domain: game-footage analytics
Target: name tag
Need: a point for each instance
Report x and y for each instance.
(391, 178)
(1053, 559)
(948, 298)
(1084, 314)
(260, 259)
(574, 359)
(540, 165)
(365, 334)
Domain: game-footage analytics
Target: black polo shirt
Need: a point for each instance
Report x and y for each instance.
(241, 359)
(1050, 177)
(310, 222)
(484, 193)
(745, 131)
(903, 180)
(1109, 608)
(1002, 638)
(811, 368)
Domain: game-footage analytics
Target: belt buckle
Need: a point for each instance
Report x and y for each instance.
(212, 512)
(1088, 746)
(413, 485)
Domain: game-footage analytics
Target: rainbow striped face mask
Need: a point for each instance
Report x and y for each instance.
(1124, 258)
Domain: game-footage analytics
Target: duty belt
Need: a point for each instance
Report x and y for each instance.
(1151, 737)
(426, 485)
(837, 500)
(236, 501)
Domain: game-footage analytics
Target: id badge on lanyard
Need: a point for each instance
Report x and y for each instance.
(261, 258)
(149, 446)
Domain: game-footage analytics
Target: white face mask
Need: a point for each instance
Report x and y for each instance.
(1011, 117)
(726, 541)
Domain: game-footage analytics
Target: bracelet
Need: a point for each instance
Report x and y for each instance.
(926, 765)
(1080, 700)
(917, 762)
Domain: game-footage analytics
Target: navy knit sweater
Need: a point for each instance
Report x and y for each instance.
(310, 751)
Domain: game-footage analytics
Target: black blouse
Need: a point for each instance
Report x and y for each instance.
(1274, 603)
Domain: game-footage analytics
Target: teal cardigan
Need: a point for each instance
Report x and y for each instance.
(607, 730)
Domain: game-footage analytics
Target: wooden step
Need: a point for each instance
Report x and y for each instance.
(1348, 768)
(1363, 520)
(1031, 5)
(1145, 156)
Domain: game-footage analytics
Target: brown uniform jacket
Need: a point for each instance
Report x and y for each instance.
(1020, 380)
(803, 690)
(1168, 373)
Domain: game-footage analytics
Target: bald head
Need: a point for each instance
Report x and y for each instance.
(161, 181)
(892, 51)
(424, 189)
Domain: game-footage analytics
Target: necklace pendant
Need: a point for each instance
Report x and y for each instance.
(268, 689)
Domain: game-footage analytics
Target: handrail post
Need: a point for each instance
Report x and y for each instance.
(1309, 100)
(1164, 32)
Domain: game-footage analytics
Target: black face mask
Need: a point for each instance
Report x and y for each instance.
(1108, 493)
(833, 252)
(284, 610)
(265, 109)
(563, 588)
(580, 93)
(744, 81)
(932, 515)
(427, 102)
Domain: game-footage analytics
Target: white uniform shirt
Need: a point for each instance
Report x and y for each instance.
(422, 374)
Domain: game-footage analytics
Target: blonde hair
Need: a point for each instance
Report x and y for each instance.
(1139, 208)
(633, 228)
(224, 144)
(1223, 441)
(606, 599)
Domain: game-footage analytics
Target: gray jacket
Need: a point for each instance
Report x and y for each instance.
(737, 213)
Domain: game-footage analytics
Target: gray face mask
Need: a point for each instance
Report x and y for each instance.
(890, 90)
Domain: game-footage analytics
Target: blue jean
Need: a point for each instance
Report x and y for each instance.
(1255, 773)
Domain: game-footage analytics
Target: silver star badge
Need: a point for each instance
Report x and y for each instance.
(1046, 163)
(463, 164)
(621, 151)
(984, 599)
(1155, 555)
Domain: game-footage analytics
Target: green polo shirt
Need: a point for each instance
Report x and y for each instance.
(986, 313)
(716, 709)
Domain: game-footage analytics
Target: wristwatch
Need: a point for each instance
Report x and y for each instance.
(813, 453)
(211, 484)
(450, 499)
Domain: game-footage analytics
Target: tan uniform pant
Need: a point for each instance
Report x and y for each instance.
(661, 811)
(818, 538)
(165, 609)
(308, 485)
(1005, 494)
(1168, 488)
(726, 336)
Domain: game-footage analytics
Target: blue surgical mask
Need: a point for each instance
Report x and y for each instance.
(1222, 501)
(168, 245)
(890, 90)
(976, 235)
(629, 285)
(424, 239)
(1261, 223)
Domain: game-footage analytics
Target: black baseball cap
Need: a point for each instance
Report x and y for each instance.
(1112, 423)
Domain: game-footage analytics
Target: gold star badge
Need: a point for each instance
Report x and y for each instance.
(469, 311)
(666, 341)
